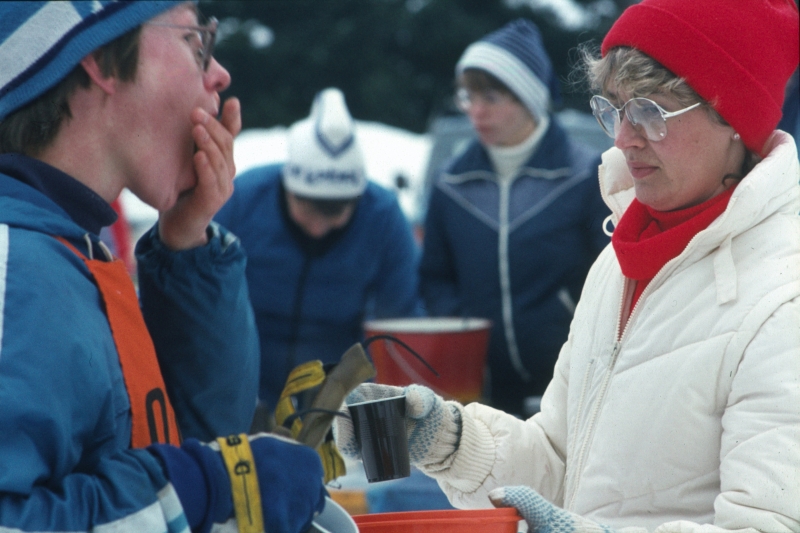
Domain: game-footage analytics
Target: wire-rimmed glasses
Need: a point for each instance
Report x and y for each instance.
(641, 112)
(465, 99)
(204, 38)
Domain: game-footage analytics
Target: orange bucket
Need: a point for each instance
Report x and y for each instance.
(455, 347)
(502, 520)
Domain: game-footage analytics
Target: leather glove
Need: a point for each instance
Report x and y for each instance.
(541, 515)
(288, 475)
(433, 425)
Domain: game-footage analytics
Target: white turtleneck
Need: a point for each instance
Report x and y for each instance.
(507, 160)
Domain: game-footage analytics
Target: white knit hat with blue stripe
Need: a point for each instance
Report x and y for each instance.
(41, 42)
(515, 55)
(325, 160)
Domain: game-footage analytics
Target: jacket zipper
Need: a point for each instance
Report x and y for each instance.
(505, 283)
(627, 293)
(592, 420)
(617, 347)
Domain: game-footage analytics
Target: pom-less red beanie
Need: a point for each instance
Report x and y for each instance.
(737, 55)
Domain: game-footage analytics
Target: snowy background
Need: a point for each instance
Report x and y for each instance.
(388, 152)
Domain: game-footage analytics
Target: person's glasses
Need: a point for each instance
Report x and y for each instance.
(642, 113)
(465, 99)
(202, 38)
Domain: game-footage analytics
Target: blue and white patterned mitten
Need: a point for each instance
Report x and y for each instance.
(541, 515)
(432, 424)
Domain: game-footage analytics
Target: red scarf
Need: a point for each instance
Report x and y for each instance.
(646, 239)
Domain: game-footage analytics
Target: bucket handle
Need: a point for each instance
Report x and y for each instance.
(405, 367)
(397, 359)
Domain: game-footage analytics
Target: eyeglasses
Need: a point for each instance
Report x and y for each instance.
(465, 99)
(641, 112)
(201, 37)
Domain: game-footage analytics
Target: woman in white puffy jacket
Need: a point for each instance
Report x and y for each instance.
(675, 404)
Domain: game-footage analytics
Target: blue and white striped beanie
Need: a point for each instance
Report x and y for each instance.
(41, 42)
(325, 160)
(515, 55)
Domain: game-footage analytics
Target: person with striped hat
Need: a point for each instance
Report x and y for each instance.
(513, 222)
(120, 413)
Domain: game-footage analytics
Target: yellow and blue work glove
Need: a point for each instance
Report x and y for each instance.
(541, 515)
(266, 482)
(307, 377)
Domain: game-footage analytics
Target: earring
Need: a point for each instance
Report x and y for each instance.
(736, 136)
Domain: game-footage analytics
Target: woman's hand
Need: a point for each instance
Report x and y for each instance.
(433, 425)
(544, 517)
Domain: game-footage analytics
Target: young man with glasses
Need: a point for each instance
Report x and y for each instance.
(514, 222)
(97, 388)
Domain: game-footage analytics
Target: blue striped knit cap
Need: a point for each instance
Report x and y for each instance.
(515, 55)
(41, 42)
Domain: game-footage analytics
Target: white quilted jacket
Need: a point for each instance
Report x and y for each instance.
(691, 421)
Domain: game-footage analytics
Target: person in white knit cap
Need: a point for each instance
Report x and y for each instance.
(326, 247)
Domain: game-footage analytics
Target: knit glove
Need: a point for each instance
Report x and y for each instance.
(541, 515)
(433, 425)
(289, 479)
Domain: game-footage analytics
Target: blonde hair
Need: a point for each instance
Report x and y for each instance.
(638, 74)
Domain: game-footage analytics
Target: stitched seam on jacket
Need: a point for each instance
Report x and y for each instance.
(548, 200)
(469, 207)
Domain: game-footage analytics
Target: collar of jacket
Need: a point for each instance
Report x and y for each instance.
(548, 156)
(770, 187)
(83, 206)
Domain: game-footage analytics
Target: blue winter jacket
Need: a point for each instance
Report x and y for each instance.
(65, 426)
(311, 296)
(516, 253)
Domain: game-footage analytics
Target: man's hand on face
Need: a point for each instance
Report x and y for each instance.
(184, 225)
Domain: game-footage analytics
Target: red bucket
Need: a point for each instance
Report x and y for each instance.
(455, 347)
(503, 520)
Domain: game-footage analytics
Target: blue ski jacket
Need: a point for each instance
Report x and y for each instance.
(65, 425)
(516, 253)
(311, 296)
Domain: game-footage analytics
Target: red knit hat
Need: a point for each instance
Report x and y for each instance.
(737, 55)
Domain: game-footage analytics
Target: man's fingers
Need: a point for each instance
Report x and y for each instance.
(224, 130)
(231, 117)
(215, 169)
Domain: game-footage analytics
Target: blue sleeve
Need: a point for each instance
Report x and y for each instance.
(126, 491)
(596, 212)
(197, 309)
(289, 480)
(226, 216)
(397, 290)
(438, 281)
(64, 412)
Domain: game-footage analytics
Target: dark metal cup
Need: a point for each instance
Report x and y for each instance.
(380, 431)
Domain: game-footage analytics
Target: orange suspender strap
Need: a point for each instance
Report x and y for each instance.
(152, 416)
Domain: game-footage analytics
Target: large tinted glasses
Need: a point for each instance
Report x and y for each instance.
(643, 113)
